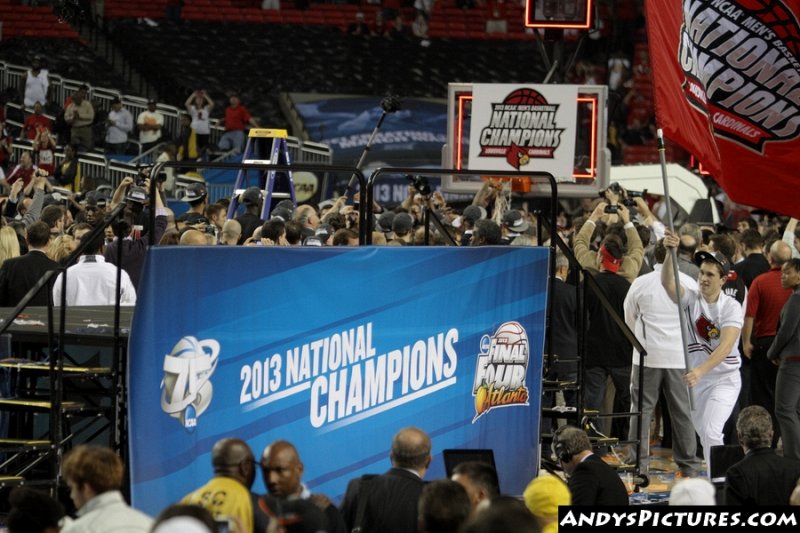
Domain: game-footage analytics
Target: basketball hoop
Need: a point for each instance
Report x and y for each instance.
(522, 184)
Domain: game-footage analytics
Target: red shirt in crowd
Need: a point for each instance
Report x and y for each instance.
(20, 173)
(5, 151)
(34, 123)
(765, 299)
(236, 118)
(46, 160)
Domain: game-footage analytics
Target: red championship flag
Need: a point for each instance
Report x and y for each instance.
(727, 88)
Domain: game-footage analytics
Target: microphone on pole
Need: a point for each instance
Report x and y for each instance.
(390, 104)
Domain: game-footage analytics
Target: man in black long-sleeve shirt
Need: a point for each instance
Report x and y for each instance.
(608, 352)
(133, 248)
(19, 274)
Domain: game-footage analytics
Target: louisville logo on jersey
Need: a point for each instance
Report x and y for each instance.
(706, 328)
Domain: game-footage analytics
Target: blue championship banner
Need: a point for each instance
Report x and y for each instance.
(333, 349)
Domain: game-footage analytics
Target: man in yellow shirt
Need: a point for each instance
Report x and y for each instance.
(227, 495)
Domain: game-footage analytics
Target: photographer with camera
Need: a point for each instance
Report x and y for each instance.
(610, 352)
(632, 258)
(419, 191)
(614, 194)
(127, 229)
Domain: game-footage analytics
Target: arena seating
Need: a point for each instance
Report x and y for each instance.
(258, 61)
(67, 57)
(33, 21)
(227, 46)
(154, 9)
(447, 20)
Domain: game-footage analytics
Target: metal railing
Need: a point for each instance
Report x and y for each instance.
(367, 223)
(95, 166)
(13, 76)
(98, 166)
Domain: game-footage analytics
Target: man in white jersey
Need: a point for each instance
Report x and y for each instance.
(713, 322)
(653, 317)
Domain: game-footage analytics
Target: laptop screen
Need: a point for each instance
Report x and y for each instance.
(722, 458)
(454, 457)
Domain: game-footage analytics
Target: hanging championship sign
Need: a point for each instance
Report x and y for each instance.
(524, 127)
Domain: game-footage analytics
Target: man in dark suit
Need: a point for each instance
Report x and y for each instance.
(391, 498)
(564, 331)
(591, 481)
(19, 274)
(762, 477)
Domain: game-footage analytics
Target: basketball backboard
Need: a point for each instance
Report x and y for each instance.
(558, 14)
(589, 161)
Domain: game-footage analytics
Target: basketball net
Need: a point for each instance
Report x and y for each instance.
(502, 202)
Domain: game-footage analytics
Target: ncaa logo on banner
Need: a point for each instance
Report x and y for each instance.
(501, 369)
(186, 389)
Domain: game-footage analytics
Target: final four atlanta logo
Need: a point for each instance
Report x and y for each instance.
(501, 369)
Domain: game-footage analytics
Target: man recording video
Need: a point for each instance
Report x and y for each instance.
(129, 229)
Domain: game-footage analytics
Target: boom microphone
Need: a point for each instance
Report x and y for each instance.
(390, 104)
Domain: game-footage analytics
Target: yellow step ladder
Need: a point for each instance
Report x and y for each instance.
(265, 146)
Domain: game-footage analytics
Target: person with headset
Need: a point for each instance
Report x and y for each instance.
(591, 481)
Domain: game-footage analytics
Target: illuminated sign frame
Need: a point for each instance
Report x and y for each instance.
(531, 22)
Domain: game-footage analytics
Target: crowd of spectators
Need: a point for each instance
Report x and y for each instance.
(741, 277)
(619, 239)
(735, 287)
(399, 500)
(83, 126)
(70, 206)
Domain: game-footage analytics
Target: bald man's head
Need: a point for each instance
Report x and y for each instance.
(282, 469)
(688, 245)
(411, 448)
(233, 458)
(779, 254)
(231, 230)
(193, 237)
